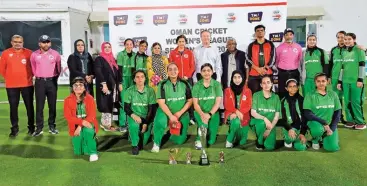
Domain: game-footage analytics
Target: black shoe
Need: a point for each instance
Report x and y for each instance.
(53, 131)
(135, 151)
(37, 133)
(122, 129)
(13, 134)
(343, 121)
(30, 132)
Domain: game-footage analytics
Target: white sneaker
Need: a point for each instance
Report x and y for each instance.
(316, 146)
(198, 145)
(93, 157)
(192, 122)
(229, 145)
(288, 145)
(155, 148)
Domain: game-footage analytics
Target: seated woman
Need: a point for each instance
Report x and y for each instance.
(207, 95)
(237, 104)
(174, 99)
(265, 112)
(80, 113)
(139, 105)
(322, 110)
(294, 123)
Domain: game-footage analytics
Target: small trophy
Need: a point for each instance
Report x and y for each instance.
(221, 157)
(172, 156)
(188, 158)
(204, 161)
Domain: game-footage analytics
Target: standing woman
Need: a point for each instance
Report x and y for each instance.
(184, 59)
(351, 81)
(237, 104)
(81, 64)
(315, 60)
(140, 61)
(80, 113)
(156, 66)
(266, 113)
(108, 85)
(322, 110)
(207, 96)
(125, 62)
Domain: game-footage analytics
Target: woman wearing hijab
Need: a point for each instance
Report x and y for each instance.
(156, 66)
(81, 64)
(237, 104)
(108, 85)
(293, 121)
(315, 60)
(80, 113)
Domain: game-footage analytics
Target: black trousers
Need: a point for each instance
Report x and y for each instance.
(254, 83)
(46, 88)
(283, 76)
(13, 98)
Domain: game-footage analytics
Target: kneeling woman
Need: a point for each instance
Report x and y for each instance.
(207, 95)
(139, 105)
(174, 99)
(237, 104)
(322, 110)
(265, 112)
(293, 120)
(80, 113)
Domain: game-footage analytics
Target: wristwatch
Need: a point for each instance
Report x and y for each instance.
(210, 114)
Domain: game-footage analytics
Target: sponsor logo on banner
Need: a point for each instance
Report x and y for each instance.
(138, 39)
(182, 19)
(121, 41)
(204, 19)
(120, 20)
(139, 19)
(277, 15)
(255, 17)
(231, 17)
(276, 37)
(160, 19)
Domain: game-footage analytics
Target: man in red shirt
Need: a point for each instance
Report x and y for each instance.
(16, 69)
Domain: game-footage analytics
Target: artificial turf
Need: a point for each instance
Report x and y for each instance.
(49, 160)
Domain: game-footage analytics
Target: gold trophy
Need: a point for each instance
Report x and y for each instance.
(172, 156)
(221, 157)
(188, 158)
(204, 161)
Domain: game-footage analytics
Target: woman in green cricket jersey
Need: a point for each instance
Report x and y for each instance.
(266, 113)
(139, 104)
(174, 99)
(315, 60)
(140, 61)
(351, 81)
(207, 96)
(322, 110)
(125, 61)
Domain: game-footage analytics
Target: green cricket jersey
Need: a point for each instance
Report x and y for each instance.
(140, 100)
(141, 62)
(126, 62)
(337, 60)
(322, 106)
(207, 95)
(313, 63)
(266, 107)
(176, 95)
(353, 62)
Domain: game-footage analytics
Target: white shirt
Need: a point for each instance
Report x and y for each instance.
(207, 55)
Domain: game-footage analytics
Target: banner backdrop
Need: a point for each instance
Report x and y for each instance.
(163, 20)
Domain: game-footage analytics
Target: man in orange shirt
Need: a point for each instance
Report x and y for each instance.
(16, 69)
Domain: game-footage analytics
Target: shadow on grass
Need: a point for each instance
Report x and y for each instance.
(35, 151)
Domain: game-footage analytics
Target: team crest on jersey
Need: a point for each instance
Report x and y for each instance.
(51, 57)
(186, 56)
(10, 55)
(24, 61)
(295, 50)
(244, 98)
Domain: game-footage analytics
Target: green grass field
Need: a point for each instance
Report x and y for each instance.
(49, 160)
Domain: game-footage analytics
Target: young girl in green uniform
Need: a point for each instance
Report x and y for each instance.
(207, 96)
(266, 113)
(315, 60)
(140, 61)
(322, 110)
(351, 81)
(174, 99)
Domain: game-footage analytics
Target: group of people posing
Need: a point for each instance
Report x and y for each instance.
(148, 94)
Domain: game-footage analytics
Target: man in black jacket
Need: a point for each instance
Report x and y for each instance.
(233, 59)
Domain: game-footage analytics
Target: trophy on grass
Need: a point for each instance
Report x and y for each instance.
(204, 160)
(188, 158)
(221, 157)
(172, 156)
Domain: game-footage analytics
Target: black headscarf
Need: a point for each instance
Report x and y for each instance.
(83, 56)
(237, 89)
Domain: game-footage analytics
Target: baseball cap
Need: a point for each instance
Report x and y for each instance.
(44, 38)
(175, 129)
(288, 30)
